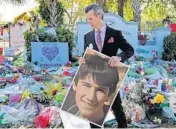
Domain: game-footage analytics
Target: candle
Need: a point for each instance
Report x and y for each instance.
(163, 87)
(170, 82)
(166, 81)
(159, 84)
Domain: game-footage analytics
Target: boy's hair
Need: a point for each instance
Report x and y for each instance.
(101, 72)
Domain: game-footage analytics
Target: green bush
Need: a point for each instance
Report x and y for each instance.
(45, 37)
(63, 35)
(169, 47)
(37, 36)
(52, 12)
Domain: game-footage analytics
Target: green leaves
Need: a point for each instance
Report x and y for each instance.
(52, 12)
(46, 37)
(169, 47)
(37, 36)
(65, 35)
(155, 12)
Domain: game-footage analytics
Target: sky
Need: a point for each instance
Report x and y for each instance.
(8, 11)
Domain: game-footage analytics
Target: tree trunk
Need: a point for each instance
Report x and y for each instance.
(136, 6)
(120, 7)
(54, 13)
(137, 18)
(69, 17)
(102, 3)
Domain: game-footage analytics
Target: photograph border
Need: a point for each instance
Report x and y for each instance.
(128, 68)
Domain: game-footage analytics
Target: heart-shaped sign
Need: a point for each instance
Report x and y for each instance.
(50, 52)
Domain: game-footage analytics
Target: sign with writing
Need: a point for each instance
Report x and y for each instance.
(129, 31)
(49, 54)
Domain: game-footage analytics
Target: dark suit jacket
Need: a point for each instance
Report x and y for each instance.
(111, 49)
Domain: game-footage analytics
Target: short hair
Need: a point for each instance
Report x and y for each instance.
(102, 73)
(97, 9)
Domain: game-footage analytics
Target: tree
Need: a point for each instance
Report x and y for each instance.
(153, 15)
(111, 6)
(137, 9)
(120, 7)
(170, 7)
(128, 11)
(152, 9)
(102, 3)
(52, 12)
(74, 10)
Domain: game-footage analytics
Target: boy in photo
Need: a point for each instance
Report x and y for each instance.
(94, 85)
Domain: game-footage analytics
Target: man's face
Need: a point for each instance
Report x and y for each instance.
(93, 19)
(90, 97)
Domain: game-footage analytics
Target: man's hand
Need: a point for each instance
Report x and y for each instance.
(81, 60)
(114, 60)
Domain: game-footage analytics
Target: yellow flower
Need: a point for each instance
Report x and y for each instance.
(159, 98)
(52, 88)
(25, 94)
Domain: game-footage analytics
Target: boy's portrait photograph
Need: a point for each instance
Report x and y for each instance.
(94, 87)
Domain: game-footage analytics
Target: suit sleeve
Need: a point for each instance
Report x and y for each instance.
(127, 49)
(85, 44)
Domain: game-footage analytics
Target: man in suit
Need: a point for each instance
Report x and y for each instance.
(108, 41)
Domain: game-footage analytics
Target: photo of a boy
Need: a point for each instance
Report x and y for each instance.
(94, 84)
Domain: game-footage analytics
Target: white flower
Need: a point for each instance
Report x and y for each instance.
(90, 45)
